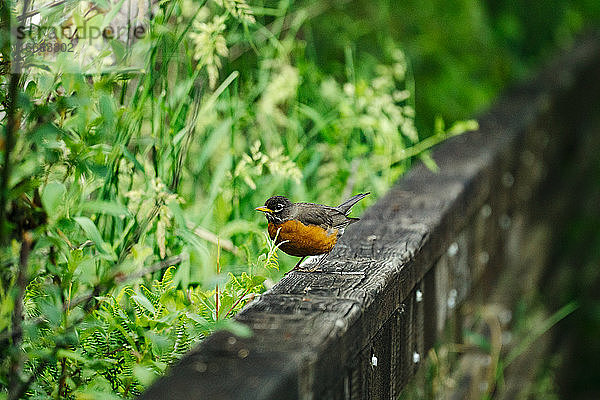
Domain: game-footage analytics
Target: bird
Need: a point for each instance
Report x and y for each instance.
(307, 229)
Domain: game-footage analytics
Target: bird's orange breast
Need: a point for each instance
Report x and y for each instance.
(303, 240)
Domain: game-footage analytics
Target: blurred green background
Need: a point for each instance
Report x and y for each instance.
(461, 53)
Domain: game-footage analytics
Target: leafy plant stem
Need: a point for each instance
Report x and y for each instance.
(16, 363)
(555, 318)
(63, 379)
(431, 141)
(99, 288)
(11, 119)
(217, 284)
(237, 302)
(19, 392)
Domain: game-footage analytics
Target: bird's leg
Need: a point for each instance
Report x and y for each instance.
(313, 269)
(318, 264)
(296, 267)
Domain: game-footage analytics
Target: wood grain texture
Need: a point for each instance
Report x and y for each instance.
(360, 328)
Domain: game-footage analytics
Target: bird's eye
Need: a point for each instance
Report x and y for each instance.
(279, 207)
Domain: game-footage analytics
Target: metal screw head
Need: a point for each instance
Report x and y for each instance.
(486, 210)
(243, 353)
(508, 180)
(373, 360)
(419, 296)
(452, 295)
(453, 249)
(416, 357)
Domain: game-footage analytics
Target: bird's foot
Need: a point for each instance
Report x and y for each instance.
(316, 267)
(313, 269)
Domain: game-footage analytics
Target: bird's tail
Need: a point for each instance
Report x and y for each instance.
(347, 205)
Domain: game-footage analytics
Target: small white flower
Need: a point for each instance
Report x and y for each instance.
(210, 45)
(239, 9)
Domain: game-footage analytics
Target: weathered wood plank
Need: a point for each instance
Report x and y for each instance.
(360, 328)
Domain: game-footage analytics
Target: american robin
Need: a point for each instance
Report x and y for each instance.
(307, 229)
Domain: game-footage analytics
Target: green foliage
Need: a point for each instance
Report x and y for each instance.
(130, 337)
(120, 162)
(492, 339)
(120, 173)
(463, 53)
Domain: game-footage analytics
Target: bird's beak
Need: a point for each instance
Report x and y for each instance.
(264, 209)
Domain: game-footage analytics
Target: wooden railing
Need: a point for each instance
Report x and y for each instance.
(360, 328)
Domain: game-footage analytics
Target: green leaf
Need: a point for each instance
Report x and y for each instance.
(111, 14)
(47, 134)
(78, 19)
(118, 48)
(105, 207)
(70, 354)
(234, 327)
(144, 374)
(429, 162)
(539, 330)
(6, 307)
(91, 393)
(75, 258)
(124, 234)
(133, 159)
(160, 343)
(257, 280)
(196, 318)
(51, 312)
(53, 196)
(439, 126)
(193, 239)
(143, 301)
(94, 235)
(460, 127)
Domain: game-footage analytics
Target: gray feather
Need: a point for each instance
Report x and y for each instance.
(347, 205)
(326, 216)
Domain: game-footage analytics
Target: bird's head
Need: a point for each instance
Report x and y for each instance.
(277, 209)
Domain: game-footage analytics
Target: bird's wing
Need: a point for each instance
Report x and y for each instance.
(314, 214)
